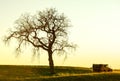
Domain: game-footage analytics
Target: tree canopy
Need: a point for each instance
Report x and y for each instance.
(45, 30)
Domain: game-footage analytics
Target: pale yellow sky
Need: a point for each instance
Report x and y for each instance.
(96, 31)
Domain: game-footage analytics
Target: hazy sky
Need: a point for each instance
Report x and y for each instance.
(96, 31)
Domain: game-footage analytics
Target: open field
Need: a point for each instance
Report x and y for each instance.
(41, 73)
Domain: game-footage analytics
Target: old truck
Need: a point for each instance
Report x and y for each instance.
(101, 68)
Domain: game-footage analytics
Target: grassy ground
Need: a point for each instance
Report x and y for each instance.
(41, 73)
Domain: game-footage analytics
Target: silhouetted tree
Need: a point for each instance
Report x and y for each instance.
(45, 30)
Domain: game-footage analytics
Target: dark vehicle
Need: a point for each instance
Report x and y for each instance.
(101, 68)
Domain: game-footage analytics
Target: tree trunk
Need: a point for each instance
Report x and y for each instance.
(51, 63)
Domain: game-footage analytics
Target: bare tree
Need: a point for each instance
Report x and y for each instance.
(45, 30)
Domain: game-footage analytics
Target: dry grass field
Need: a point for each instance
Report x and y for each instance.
(41, 73)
